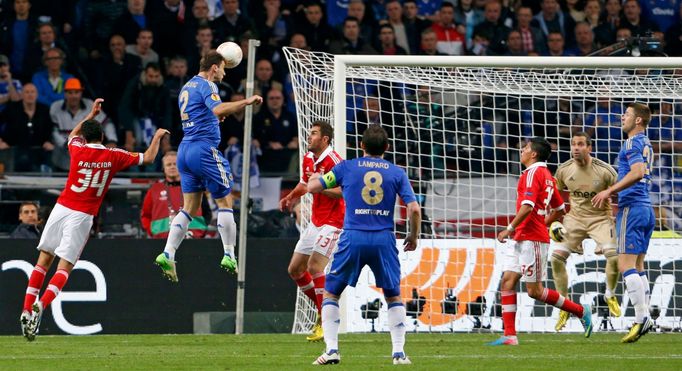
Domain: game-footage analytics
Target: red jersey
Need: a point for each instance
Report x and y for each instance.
(92, 168)
(538, 189)
(326, 210)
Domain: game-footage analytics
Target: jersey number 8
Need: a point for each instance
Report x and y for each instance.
(372, 193)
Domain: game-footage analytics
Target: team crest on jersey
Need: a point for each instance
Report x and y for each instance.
(163, 195)
(596, 183)
(215, 97)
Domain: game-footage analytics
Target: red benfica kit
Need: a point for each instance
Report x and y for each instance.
(537, 188)
(326, 210)
(92, 168)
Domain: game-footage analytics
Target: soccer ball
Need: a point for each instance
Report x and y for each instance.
(231, 52)
(557, 231)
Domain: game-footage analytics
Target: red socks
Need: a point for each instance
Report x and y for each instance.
(509, 312)
(305, 283)
(552, 297)
(54, 287)
(35, 283)
(318, 280)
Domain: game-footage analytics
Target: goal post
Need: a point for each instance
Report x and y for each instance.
(455, 125)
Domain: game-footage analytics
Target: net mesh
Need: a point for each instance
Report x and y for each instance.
(457, 132)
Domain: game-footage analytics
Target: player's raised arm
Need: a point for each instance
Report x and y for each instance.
(96, 107)
(227, 108)
(150, 153)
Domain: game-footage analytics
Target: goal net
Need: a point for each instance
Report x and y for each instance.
(456, 125)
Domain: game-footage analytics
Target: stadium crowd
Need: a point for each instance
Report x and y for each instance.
(56, 56)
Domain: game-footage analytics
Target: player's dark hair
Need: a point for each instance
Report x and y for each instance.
(326, 129)
(92, 131)
(375, 140)
(542, 147)
(643, 111)
(209, 59)
(588, 138)
(29, 203)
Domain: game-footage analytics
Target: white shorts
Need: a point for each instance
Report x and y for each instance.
(527, 258)
(66, 233)
(322, 240)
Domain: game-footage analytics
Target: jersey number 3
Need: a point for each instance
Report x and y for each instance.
(372, 193)
(90, 180)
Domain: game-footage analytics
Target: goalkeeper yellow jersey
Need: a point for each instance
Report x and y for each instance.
(583, 183)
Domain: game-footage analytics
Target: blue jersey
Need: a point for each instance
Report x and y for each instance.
(370, 186)
(635, 150)
(196, 100)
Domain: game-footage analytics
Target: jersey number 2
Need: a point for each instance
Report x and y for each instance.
(184, 99)
(90, 180)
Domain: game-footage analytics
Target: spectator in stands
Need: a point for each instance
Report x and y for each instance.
(132, 21)
(203, 42)
(555, 45)
(430, 9)
(673, 38)
(450, 41)
(412, 18)
(351, 42)
(317, 33)
(47, 39)
(277, 132)
(515, 44)
(665, 129)
(551, 18)
(387, 45)
(584, 40)
(100, 17)
(143, 47)
(50, 81)
(274, 29)
(66, 114)
(533, 40)
(623, 33)
(199, 17)
(466, 18)
(112, 74)
(605, 33)
(263, 80)
(232, 24)
(592, 13)
(29, 228)
(167, 22)
(634, 21)
(572, 9)
(479, 45)
(10, 89)
(144, 108)
(164, 200)
(405, 34)
(368, 27)
(603, 124)
(429, 43)
(28, 132)
(16, 35)
(176, 78)
(663, 13)
(493, 29)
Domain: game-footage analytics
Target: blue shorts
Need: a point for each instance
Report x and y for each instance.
(203, 167)
(359, 248)
(634, 227)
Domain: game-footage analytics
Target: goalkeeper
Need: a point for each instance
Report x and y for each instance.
(584, 176)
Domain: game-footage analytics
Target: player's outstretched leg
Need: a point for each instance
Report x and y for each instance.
(34, 323)
(586, 320)
(638, 330)
(178, 230)
(396, 324)
(331, 320)
(228, 234)
(561, 285)
(509, 320)
(611, 283)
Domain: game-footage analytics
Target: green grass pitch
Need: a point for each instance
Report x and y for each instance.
(277, 352)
